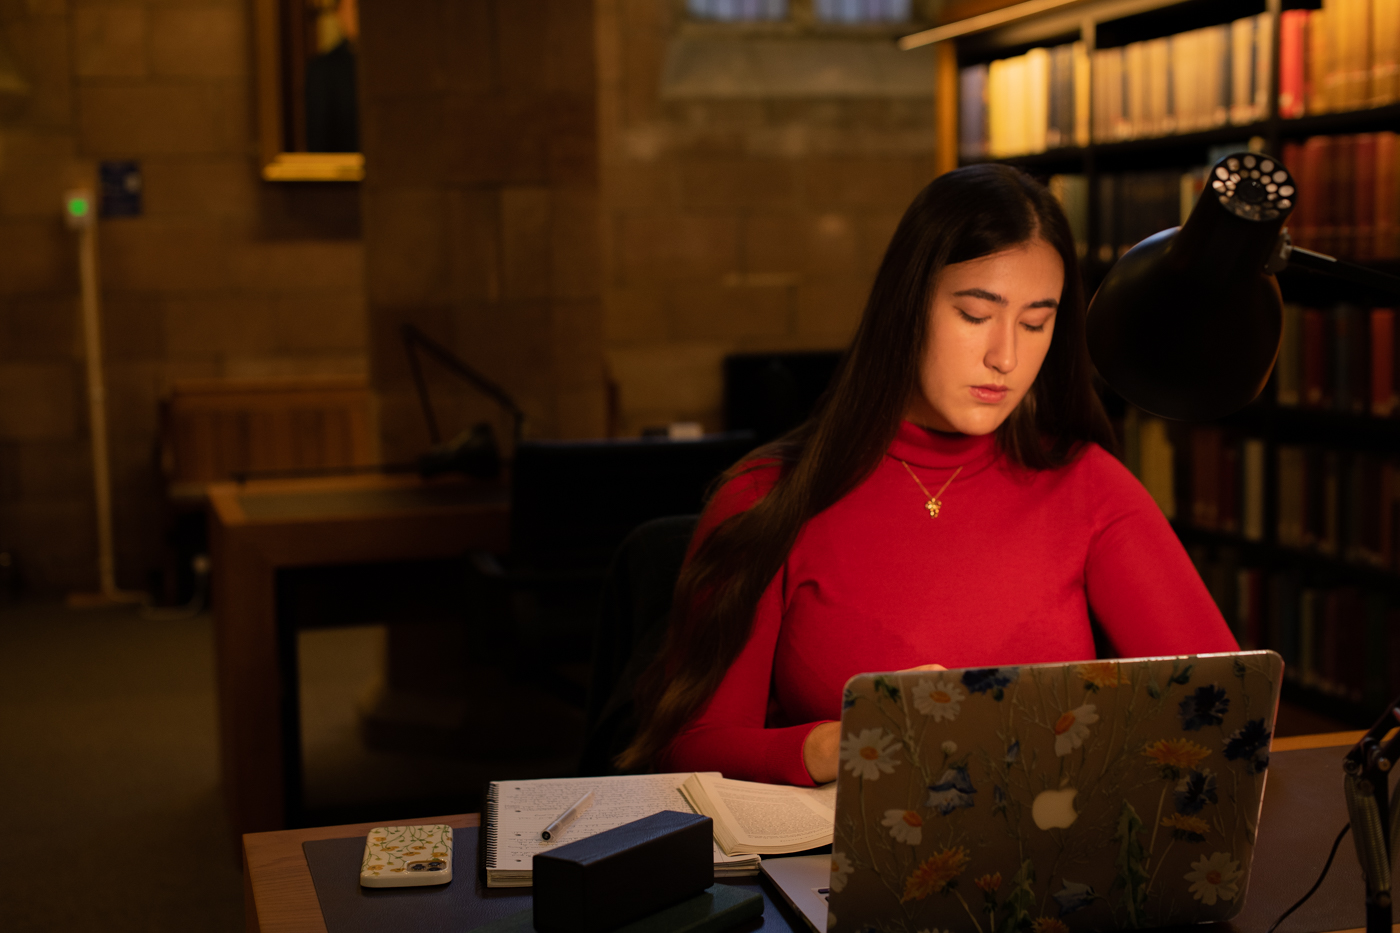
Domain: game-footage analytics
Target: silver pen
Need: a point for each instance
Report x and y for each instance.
(568, 816)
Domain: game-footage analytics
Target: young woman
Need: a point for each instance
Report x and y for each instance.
(954, 503)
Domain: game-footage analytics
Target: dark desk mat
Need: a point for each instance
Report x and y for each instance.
(1303, 812)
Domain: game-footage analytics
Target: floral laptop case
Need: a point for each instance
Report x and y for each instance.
(1051, 797)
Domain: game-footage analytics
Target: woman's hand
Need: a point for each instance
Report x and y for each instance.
(821, 752)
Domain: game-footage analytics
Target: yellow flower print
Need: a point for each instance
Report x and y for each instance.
(989, 883)
(1048, 925)
(1177, 754)
(1187, 824)
(1100, 674)
(935, 874)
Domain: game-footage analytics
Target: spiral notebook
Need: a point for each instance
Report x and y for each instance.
(516, 812)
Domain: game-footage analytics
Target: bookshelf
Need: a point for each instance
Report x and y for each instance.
(1290, 508)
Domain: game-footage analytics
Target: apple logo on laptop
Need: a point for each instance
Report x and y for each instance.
(1054, 809)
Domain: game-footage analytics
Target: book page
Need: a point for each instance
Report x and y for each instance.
(524, 808)
(773, 814)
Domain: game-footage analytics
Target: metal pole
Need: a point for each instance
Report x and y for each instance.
(86, 226)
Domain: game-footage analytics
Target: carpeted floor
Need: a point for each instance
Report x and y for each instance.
(109, 788)
(109, 775)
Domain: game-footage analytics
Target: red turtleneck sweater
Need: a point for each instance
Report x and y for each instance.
(1006, 574)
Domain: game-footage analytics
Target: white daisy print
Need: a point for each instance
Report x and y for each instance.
(870, 753)
(941, 699)
(1072, 728)
(841, 869)
(905, 826)
(830, 920)
(1216, 876)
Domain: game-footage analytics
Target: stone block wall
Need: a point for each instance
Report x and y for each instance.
(223, 275)
(481, 209)
(734, 221)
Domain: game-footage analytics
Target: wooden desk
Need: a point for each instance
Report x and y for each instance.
(279, 896)
(261, 527)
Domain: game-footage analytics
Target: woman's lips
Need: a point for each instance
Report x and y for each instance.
(989, 393)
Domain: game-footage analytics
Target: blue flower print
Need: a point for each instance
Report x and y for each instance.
(1074, 896)
(1250, 742)
(1013, 752)
(953, 790)
(990, 679)
(1194, 791)
(848, 698)
(1206, 707)
(998, 799)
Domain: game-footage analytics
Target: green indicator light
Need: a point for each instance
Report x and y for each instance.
(78, 207)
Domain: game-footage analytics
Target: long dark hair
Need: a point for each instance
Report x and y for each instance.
(962, 215)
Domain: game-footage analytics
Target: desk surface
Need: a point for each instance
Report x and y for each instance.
(279, 896)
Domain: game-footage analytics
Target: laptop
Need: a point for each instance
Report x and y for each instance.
(1061, 797)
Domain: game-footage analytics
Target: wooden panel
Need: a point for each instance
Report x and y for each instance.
(213, 430)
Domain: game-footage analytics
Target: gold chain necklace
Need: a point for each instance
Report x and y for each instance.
(934, 503)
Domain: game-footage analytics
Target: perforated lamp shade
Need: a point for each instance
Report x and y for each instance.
(1187, 323)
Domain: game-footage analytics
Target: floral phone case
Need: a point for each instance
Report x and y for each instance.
(407, 856)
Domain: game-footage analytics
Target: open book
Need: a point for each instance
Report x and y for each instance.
(516, 812)
(763, 819)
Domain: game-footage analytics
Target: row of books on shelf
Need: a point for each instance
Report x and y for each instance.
(1338, 359)
(1345, 56)
(1339, 640)
(1348, 201)
(1338, 503)
(1028, 103)
(1132, 206)
(1192, 81)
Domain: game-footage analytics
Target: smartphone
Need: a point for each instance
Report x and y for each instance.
(407, 856)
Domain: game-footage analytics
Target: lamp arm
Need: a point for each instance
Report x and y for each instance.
(414, 337)
(1339, 268)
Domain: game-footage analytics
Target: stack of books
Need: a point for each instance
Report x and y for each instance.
(1345, 56)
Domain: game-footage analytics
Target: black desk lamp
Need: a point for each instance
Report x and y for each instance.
(1186, 326)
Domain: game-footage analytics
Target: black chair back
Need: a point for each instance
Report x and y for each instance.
(635, 610)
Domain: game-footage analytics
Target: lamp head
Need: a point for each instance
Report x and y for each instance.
(1187, 324)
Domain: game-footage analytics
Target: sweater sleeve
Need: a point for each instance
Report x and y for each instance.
(730, 735)
(1142, 587)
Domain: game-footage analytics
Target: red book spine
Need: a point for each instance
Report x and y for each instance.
(1364, 198)
(1341, 201)
(1387, 243)
(1315, 381)
(1293, 26)
(1382, 362)
(1311, 192)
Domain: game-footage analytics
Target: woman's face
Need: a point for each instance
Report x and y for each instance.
(989, 330)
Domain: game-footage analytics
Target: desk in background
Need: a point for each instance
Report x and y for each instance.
(262, 527)
(279, 896)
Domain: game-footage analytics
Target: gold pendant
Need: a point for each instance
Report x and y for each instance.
(933, 505)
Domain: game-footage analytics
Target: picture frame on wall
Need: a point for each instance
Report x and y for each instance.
(307, 93)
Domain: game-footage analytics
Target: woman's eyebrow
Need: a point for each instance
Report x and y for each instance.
(980, 293)
(993, 296)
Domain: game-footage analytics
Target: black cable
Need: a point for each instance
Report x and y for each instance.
(1313, 890)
